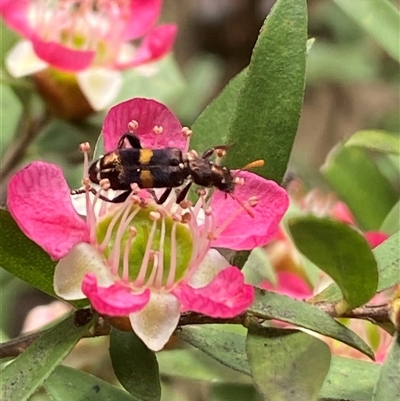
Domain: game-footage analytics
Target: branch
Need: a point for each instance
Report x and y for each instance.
(375, 314)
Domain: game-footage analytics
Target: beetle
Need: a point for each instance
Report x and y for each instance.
(158, 168)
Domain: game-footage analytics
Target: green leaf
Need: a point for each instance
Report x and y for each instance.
(28, 371)
(391, 223)
(11, 110)
(349, 379)
(211, 127)
(380, 141)
(270, 305)
(71, 384)
(233, 392)
(379, 18)
(388, 385)
(387, 257)
(268, 108)
(193, 364)
(339, 251)
(258, 268)
(33, 265)
(350, 173)
(285, 362)
(135, 365)
(225, 347)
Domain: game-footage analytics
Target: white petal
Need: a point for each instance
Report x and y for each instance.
(126, 53)
(22, 60)
(100, 86)
(155, 323)
(69, 272)
(211, 265)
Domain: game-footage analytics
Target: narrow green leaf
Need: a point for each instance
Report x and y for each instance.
(350, 173)
(380, 141)
(71, 384)
(268, 108)
(339, 251)
(391, 223)
(135, 365)
(349, 379)
(211, 127)
(379, 18)
(270, 305)
(33, 265)
(388, 259)
(388, 385)
(286, 362)
(225, 347)
(28, 371)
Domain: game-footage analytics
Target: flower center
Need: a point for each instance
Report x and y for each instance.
(94, 25)
(144, 246)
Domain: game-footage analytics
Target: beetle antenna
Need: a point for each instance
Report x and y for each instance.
(251, 165)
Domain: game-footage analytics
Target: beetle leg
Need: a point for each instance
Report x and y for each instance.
(182, 194)
(118, 199)
(133, 140)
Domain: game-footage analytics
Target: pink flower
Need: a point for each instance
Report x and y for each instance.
(88, 38)
(138, 258)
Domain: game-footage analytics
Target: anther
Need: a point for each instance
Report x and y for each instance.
(86, 183)
(105, 184)
(133, 125)
(208, 212)
(211, 236)
(158, 129)
(220, 152)
(84, 147)
(186, 218)
(154, 216)
(201, 192)
(135, 188)
(185, 204)
(239, 181)
(253, 201)
(186, 132)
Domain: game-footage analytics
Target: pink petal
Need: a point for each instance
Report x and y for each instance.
(375, 238)
(40, 202)
(246, 232)
(289, 284)
(154, 46)
(116, 300)
(226, 296)
(148, 113)
(61, 57)
(144, 14)
(342, 213)
(15, 14)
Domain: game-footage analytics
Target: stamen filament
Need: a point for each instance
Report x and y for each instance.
(160, 269)
(172, 261)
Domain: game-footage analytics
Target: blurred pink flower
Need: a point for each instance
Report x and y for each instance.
(90, 39)
(141, 259)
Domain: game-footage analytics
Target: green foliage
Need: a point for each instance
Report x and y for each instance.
(388, 385)
(268, 106)
(379, 18)
(341, 252)
(28, 371)
(270, 305)
(135, 365)
(71, 384)
(350, 172)
(297, 362)
(380, 141)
